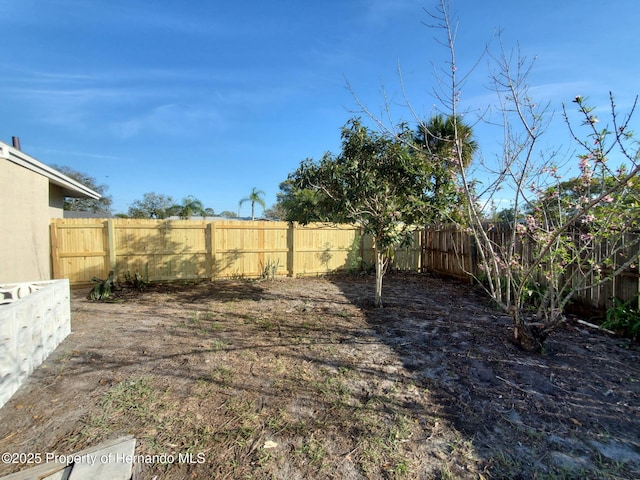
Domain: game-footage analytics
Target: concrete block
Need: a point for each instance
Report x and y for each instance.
(34, 318)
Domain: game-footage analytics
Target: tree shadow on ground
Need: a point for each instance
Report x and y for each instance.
(528, 416)
(429, 382)
(195, 291)
(293, 355)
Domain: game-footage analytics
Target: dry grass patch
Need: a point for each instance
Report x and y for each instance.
(302, 379)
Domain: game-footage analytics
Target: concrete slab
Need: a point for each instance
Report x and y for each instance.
(106, 461)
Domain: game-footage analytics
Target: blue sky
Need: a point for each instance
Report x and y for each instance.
(212, 98)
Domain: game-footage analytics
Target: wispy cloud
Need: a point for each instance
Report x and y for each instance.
(159, 101)
(194, 18)
(12, 74)
(169, 120)
(382, 11)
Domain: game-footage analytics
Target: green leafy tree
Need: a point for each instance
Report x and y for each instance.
(302, 203)
(560, 201)
(275, 212)
(254, 197)
(507, 215)
(100, 205)
(152, 205)
(377, 182)
(228, 214)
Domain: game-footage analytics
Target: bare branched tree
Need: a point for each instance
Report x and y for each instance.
(560, 243)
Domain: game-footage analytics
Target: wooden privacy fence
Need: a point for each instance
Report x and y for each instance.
(190, 249)
(194, 249)
(449, 251)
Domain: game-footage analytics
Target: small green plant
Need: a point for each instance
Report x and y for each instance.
(355, 265)
(103, 288)
(218, 344)
(136, 280)
(623, 318)
(269, 269)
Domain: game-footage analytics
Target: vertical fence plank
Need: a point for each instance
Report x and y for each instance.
(210, 241)
(291, 258)
(111, 245)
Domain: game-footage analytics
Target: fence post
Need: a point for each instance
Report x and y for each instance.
(210, 245)
(111, 245)
(291, 253)
(362, 261)
(56, 269)
(473, 255)
(423, 250)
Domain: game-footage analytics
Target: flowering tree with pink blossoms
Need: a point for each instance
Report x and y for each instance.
(569, 240)
(565, 237)
(562, 242)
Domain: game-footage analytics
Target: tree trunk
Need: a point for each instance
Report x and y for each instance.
(528, 337)
(379, 275)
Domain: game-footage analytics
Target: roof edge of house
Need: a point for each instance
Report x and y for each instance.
(71, 187)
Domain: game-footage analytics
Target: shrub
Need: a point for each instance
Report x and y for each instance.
(623, 318)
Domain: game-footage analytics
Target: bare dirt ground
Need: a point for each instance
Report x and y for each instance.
(303, 378)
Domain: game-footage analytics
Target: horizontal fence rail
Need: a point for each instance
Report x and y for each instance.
(195, 249)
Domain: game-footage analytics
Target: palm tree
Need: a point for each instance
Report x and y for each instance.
(190, 206)
(439, 139)
(448, 146)
(254, 197)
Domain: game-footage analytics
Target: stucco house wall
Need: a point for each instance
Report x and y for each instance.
(24, 218)
(31, 193)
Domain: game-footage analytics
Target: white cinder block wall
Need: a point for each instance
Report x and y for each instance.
(34, 318)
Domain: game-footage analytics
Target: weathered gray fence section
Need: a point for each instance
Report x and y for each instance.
(449, 251)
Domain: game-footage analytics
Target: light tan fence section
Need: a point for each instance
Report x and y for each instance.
(158, 250)
(407, 258)
(248, 248)
(79, 249)
(190, 249)
(320, 248)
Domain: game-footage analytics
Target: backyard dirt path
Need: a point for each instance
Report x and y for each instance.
(303, 378)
